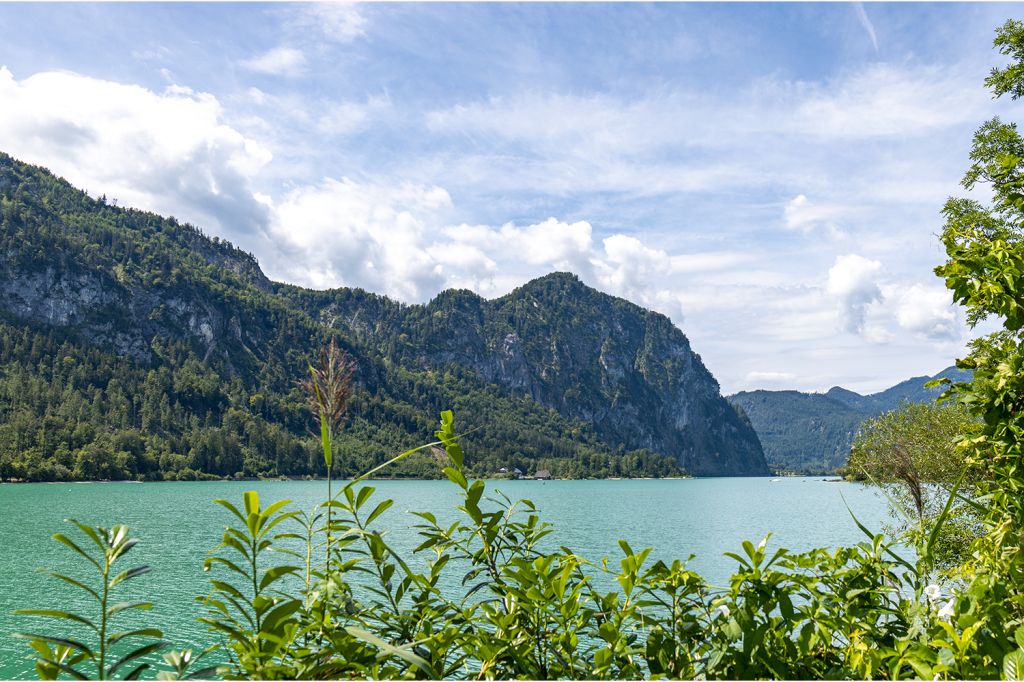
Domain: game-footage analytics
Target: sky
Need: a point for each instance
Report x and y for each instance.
(769, 176)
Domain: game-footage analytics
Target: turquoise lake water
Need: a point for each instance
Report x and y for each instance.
(178, 524)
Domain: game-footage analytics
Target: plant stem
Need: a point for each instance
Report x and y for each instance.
(330, 499)
(103, 617)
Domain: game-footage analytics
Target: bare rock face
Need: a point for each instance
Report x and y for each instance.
(590, 356)
(101, 311)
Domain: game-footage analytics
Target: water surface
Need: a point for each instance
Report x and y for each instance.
(178, 524)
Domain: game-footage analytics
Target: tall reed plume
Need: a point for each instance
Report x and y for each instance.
(329, 391)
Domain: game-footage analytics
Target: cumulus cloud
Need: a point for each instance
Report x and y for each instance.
(169, 152)
(172, 152)
(640, 273)
(929, 311)
(551, 243)
(853, 281)
(279, 61)
(341, 232)
(396, 240)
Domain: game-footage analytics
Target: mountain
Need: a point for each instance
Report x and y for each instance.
(812, 432)
(132, 345)
(592, 357)
(909, 391)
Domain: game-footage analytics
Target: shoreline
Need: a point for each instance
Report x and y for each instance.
(827, 478)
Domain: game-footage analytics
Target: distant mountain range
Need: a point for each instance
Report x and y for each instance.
(812, 432)
(132, 345)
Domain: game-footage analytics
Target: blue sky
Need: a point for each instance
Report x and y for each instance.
(768, 175)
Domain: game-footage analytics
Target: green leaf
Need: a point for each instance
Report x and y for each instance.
(134, 674)
(125, 605)
(276, 573)
(903, 562)
(72, 581)
(281, 613)
(401, 652)
(138, 653)
(363, 495)
(388, 463)
(251, 498)
(129, 574)
(941, 520)
(456, 477)
(143, 632)
(231, 508)
(70, 643)
(76, 674)
(91, 532)
(68, 542)
(378, 510)
(230, 564)
(58, 614)
(325, 440)
(1013, 665)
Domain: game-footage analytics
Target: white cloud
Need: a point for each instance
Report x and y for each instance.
(878, 100)
(396, 240)
(842, 141)
(928, 310)
(865, 22)
(886, 100)
(339, 21)
(168, 152)
(279, 61)
(345, 118)
(802, 215)
(849, 154)
(551, 243)
(641, 274)
(853, 280)
(761, 378)
(341, 232)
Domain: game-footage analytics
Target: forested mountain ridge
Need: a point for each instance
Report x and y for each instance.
(134, 346)
(812, 432)
(600, 359)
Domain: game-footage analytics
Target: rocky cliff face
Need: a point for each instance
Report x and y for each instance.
(628, 370)
(590, 356)
(96, 307)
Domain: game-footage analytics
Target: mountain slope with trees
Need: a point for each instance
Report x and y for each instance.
(134, 346)
(812, 432)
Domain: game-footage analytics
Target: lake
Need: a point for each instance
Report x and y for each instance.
(178, 524)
